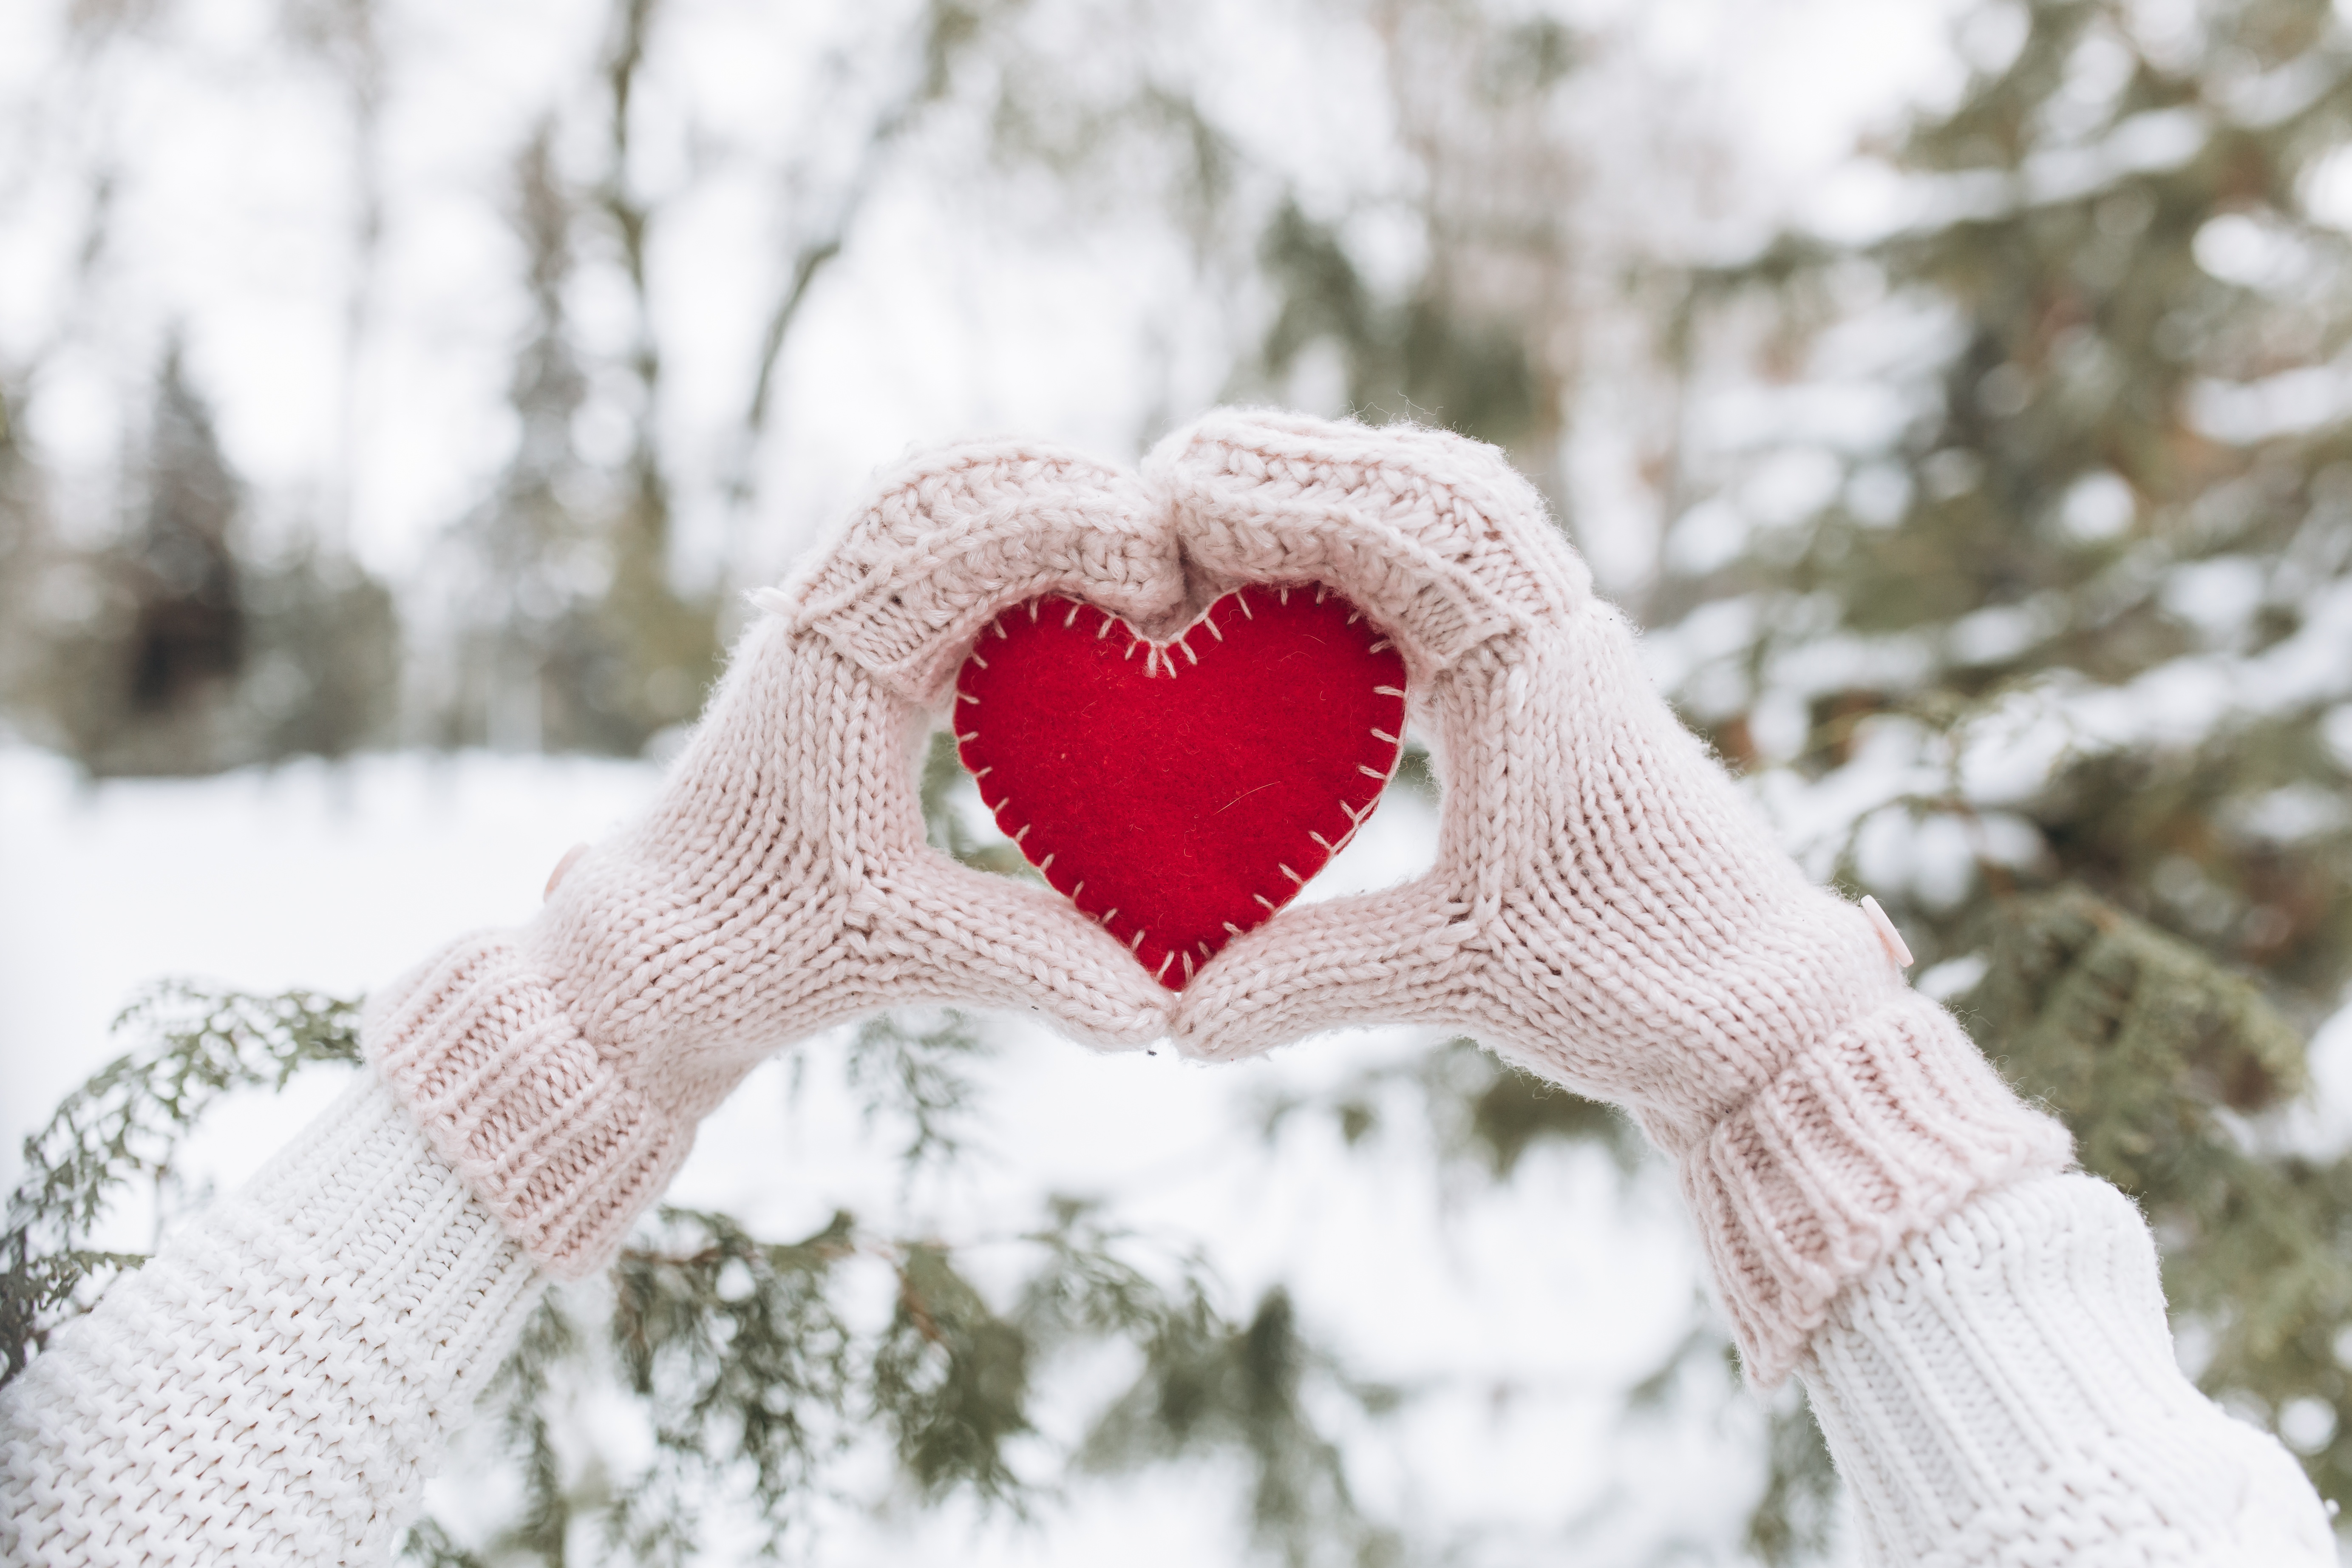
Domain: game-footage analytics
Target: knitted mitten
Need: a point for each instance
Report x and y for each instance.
(1605, 908)
(783, 882)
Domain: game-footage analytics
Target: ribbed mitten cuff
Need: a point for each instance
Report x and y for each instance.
(549, 1132)
(1891, 1124)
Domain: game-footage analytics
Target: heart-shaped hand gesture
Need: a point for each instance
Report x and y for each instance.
(1604, 908)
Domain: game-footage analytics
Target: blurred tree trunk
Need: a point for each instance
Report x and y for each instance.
(173, 652)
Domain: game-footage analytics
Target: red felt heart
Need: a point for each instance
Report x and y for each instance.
(1181, 793)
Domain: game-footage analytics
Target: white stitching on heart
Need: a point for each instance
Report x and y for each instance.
(1154, 654)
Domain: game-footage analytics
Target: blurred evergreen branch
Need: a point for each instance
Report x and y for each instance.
(2163, 1063)
(2079, 510)
(1791, 1520)
(922, 1076)
(758, 1380)
(1477, 1109)
(125, 1122)
(1210, 1384)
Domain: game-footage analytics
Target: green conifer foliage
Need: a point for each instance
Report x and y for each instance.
(762, 1382)
(766, 1390)
(2157, 1057)
(2102, 513)
(2054, 661)
(125, 1124)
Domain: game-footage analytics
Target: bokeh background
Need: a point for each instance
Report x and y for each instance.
(398, 397)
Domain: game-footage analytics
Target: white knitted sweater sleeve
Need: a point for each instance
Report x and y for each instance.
(2002, 1392)
(276, 1384)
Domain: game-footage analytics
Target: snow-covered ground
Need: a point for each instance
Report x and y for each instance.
(1522, 1311)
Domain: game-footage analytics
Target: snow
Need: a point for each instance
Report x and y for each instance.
(961, 306)
(1519, 1313)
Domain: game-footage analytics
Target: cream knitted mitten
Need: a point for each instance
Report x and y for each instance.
(783, 882)
(1605, 908)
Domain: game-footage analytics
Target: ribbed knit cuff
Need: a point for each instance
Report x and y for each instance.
(1891, 1124)
(549, 1132)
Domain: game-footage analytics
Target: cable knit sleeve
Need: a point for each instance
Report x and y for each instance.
(2003, 1392)
(275, 1386)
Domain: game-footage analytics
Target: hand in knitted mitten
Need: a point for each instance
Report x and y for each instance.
(1605, 909)
(783, 882)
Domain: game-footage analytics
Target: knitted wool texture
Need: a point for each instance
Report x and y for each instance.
(276, 1385)
(2001, 1394)
(1604, 908)
(783, 882)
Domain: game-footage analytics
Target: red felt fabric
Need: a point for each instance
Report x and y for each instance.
(1183, 794)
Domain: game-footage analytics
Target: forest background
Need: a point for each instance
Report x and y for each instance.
(397, 398)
